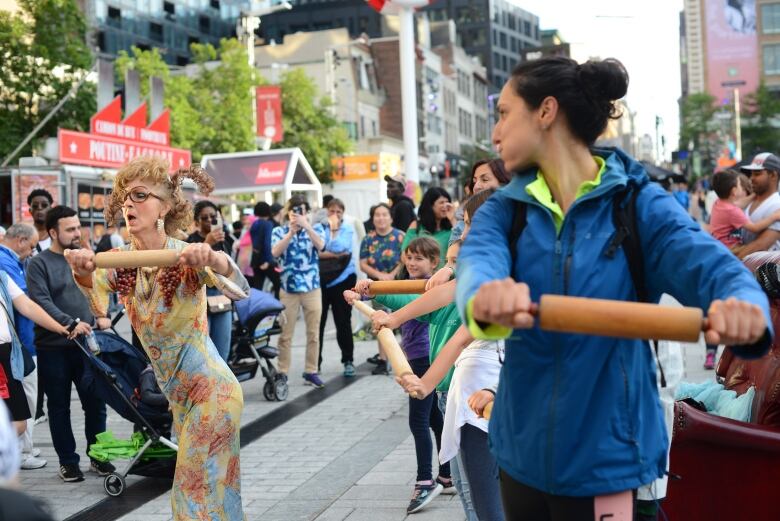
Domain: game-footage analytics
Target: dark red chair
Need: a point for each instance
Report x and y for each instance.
(725, 469)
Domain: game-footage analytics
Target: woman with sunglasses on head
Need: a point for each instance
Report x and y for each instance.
(167, 308)
(208, 230)
(577, 424)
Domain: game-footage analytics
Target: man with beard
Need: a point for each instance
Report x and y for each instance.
(40, 201)
(402, 208)
(60, 364)
(764, 171)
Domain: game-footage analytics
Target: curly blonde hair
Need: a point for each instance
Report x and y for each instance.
(155, 170)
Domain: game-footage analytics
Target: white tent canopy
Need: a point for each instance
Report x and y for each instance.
(282, 170)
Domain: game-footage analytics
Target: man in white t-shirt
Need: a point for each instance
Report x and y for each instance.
(764, 171)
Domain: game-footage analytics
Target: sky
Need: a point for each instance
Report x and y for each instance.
(643, 34)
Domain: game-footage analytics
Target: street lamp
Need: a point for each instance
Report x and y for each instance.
(247, 24)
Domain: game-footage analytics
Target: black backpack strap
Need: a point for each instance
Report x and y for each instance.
(518, 225)
(627, 236)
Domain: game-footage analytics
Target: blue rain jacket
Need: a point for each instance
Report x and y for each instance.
(579, 415)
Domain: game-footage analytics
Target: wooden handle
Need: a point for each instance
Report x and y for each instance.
(395, 354)
(397, 287)
(488, 410)
(136, 259)
(619, 319)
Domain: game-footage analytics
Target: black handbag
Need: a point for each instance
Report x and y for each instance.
(331, 268)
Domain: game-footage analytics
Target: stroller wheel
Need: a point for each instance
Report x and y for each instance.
(268, 391)
(114, 484)
(281, 390)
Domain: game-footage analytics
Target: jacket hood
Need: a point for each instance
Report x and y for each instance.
(620, 170)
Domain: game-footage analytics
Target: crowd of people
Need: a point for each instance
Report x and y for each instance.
(560, 445)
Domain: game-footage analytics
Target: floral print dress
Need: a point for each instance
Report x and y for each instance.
(167, 309)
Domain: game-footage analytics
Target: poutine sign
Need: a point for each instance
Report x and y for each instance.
(113, 141)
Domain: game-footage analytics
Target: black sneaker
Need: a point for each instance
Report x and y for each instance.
(71, 473)
(381, 368)
(374, 359)
(448, 487)
(101, 468)
(423, 494)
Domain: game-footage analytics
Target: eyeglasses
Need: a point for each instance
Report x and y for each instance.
(39, 206)
(139, 195)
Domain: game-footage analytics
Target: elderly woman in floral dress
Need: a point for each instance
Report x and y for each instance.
(167, 309)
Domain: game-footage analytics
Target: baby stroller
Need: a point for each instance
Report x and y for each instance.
(114, 376)
(251, 342)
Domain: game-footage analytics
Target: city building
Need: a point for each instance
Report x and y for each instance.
(494, 30)
(621, 132)
(171, 26)
(692, 36)
(343, 69)
(768, 25)
(553, 44)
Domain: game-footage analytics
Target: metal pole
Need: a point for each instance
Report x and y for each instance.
(409, 94)
(738, 130)
(46, 119)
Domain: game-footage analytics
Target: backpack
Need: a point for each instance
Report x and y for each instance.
(626, 235)
(104, 244)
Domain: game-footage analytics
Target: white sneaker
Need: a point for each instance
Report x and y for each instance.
(41, 419)
(35, 452)
(31, 462)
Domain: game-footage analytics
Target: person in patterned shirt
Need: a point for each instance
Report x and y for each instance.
(380, 250)
(297, 245)
(380, 259)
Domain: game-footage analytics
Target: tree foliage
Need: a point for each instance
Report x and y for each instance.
(760, 122)
(43, 54)
(310, 124)
(698, 119)
(210, 106)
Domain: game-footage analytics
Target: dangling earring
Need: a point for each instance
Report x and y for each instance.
(161, 227)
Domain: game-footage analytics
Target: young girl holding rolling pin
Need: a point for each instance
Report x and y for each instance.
(577, 425)
(420, 259)
(477, 365)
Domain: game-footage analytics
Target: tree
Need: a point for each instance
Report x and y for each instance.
(760, 130)
(698, 125)
(43, 54)
(310, 125)
(210, 109)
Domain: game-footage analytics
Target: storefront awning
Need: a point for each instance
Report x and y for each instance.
(283, 170)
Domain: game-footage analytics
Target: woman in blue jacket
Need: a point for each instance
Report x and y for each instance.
(577, 417)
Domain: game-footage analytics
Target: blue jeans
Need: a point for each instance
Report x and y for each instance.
(481, 469)
(424, 415)
(458, 477)
(59, 369)
(220, 325)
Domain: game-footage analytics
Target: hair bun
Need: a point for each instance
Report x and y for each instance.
(605, 79)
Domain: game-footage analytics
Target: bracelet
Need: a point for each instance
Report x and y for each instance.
(450, 268)
(491, 391)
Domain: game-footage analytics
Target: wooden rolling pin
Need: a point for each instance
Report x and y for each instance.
(136, 259)
(619, 319)
(395, 354)
(397, 287)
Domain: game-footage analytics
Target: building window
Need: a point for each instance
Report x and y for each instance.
(214, 4)
(513, 42)
(510, 19)
(527, 28)
(770, 18)
(502, 39)
(155, 31)
(101, 40)
(204, 22)
(181, 61)
(496, 60)
(772, 59)
(169, 8)
(191, 40)
(373, 128)
(114, 17)
(504, 65)
(495, 37)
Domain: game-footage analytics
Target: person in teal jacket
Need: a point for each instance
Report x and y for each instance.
(578, 417)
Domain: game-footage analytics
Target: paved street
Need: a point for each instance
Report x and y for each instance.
(349, 456)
